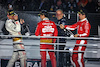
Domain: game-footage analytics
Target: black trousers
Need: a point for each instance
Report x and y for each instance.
(64, 57)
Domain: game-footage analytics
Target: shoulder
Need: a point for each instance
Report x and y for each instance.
(40, 22)
(63, 20)
(78, 21)
(9, 20)
(86, 21)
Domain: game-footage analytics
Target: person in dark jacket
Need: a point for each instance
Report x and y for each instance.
(64, 58)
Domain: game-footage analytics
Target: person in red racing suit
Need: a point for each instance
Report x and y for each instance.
(83, 30)
(46, 28)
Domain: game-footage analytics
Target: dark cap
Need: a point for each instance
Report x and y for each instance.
(82, 11)
(43, 12)
(10, 12)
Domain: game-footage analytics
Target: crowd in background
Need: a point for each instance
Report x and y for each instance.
(91, 6)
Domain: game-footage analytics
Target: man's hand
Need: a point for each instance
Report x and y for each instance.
(15, 17)
(76, 35)
(62, 26)
(22, 21)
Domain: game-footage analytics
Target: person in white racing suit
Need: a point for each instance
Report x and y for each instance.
(14, 28)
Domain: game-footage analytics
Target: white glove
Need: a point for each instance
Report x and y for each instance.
(27, 34)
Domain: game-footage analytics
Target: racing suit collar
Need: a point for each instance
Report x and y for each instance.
(83, 19)
(46, 19)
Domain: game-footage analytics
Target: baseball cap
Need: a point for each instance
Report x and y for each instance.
(43, 12)
(10, 12)
(82, 11)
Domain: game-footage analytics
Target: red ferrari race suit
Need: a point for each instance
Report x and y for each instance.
(83, 30)
(47, 28)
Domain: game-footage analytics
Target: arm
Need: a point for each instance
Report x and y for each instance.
(71, 27)
(37, 31)
(55, 34)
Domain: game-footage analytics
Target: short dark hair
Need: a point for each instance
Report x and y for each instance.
(43, 12)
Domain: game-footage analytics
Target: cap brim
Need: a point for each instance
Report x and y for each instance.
(12, 14)
(39, 14)
(79, 12)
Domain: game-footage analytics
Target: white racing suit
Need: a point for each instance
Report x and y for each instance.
(14, 28)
